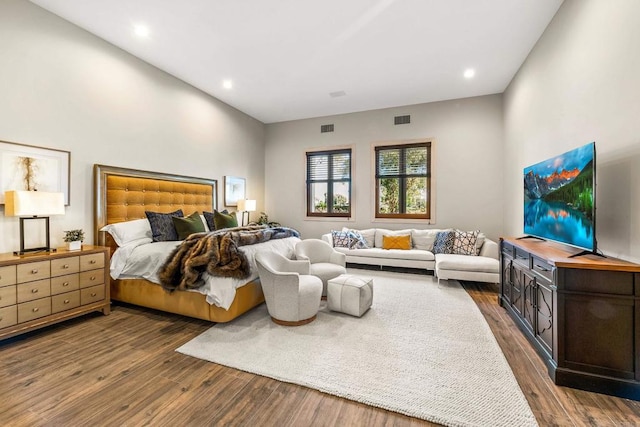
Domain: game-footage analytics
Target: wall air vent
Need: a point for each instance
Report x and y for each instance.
(401, 120)
(326, 128)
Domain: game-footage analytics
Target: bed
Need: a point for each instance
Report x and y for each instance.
(121, 195)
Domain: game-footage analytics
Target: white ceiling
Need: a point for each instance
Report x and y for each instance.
(285, 57)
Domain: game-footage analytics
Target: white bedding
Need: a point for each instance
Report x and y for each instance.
(142, 259)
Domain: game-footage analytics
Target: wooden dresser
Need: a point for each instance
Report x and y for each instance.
(581, 314)
(38, 290)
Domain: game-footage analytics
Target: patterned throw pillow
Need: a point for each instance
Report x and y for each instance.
(162, 228)
(396, 242)
(189, 225)
(341, 239)
(357, 241)
(444, 242)
(465, 242)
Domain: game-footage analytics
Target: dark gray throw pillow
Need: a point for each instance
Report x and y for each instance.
(162, 228)
(209, 217)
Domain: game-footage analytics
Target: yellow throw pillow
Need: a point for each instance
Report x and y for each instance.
(396, 242)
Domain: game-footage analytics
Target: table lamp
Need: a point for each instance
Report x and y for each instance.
(33, 205)
(248, 206)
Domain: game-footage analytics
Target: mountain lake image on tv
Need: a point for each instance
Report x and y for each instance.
(559, 198)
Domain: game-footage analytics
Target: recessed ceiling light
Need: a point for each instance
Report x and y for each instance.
(469, 73)
(141, 30)
(227, 84)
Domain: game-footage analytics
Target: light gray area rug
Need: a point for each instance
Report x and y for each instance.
(422, 350)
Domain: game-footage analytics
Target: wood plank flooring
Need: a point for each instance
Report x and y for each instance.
(122, 370)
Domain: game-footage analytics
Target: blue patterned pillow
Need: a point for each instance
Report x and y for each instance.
(340, 239)
(162, 228)
(444, 242)
(357, 241)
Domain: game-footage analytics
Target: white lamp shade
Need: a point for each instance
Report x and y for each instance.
(33, 203)
(246, 205)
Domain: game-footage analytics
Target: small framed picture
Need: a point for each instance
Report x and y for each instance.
(234, 190)
(25, 167)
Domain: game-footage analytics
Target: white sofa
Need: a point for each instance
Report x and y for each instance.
(483, 267)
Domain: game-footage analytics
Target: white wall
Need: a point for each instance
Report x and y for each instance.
(63, 88)
(468, 163)
(579, 84)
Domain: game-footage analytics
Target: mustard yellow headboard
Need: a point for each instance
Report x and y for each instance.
(125, 194)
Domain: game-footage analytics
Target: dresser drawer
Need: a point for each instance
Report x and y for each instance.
(68, 283)
(8, 275)
(34, 309)
(91, 278)
(91, 262)
(33, 271)
(92, 294)
(8, 316)
(7, 296)
(64, 302)
(65, 266)
(34, 290)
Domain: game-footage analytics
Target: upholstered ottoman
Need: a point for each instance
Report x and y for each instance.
(350, 294)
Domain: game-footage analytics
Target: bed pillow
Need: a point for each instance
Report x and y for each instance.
(224, 220)
(208, 216)
(444, 242)
(128, 231)
(464, 242)
(162, 228)
(188, 225)
(397, 242)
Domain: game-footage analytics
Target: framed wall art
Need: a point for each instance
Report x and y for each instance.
(25, 167)
(234, 190)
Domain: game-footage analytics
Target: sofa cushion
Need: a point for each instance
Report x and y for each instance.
(444, 242)
(397, 242)
(380, 232)
(414, 254)
(423, 239)
(467, 263)
(464, 242)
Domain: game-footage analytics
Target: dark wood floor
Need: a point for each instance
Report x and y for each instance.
(122, 369)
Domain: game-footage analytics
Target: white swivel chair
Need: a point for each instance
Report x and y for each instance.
(326, 262)
(291, 294)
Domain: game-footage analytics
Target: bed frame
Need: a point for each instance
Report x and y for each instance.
(125, 194)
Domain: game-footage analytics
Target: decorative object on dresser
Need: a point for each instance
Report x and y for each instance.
(580, 314)
(234, 190)
(49, 288)
(74, 239)
(30, 205)
(248, 206)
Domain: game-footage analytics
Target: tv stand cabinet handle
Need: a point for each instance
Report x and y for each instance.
(542, 268)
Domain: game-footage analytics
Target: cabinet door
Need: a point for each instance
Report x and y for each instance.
(507, 282)
(516, 288)
(528, 300)
(544, 315)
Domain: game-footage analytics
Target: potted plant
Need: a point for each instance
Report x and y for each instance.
(74, 239)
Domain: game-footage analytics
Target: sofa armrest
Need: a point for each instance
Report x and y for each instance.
(490, 249)
(339, 258)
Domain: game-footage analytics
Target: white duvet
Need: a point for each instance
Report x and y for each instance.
(141, 259)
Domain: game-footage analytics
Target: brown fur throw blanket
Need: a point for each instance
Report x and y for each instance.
(216, 253)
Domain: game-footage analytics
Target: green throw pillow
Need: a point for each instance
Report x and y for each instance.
(222, 220)
(189, 225)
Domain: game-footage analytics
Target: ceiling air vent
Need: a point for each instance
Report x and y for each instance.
(326, 128)
(401, 120)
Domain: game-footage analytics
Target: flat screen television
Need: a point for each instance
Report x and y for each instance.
(559, 198)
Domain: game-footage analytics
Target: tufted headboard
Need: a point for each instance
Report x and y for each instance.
(122, 194)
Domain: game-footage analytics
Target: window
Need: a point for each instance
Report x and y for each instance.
(329, 183)
(403, 181)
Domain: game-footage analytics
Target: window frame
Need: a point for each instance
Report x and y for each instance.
(429, 216)
(329, 181)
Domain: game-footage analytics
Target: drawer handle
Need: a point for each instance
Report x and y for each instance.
(34, 291)
(93, 278)
(34, 271)
(66, 301)
(93, 294)
(542, 268)
(65, 266)
(65, 284)
(35, 309)
(93, 261)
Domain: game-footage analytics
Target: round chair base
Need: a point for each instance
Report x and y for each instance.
(297, 323)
